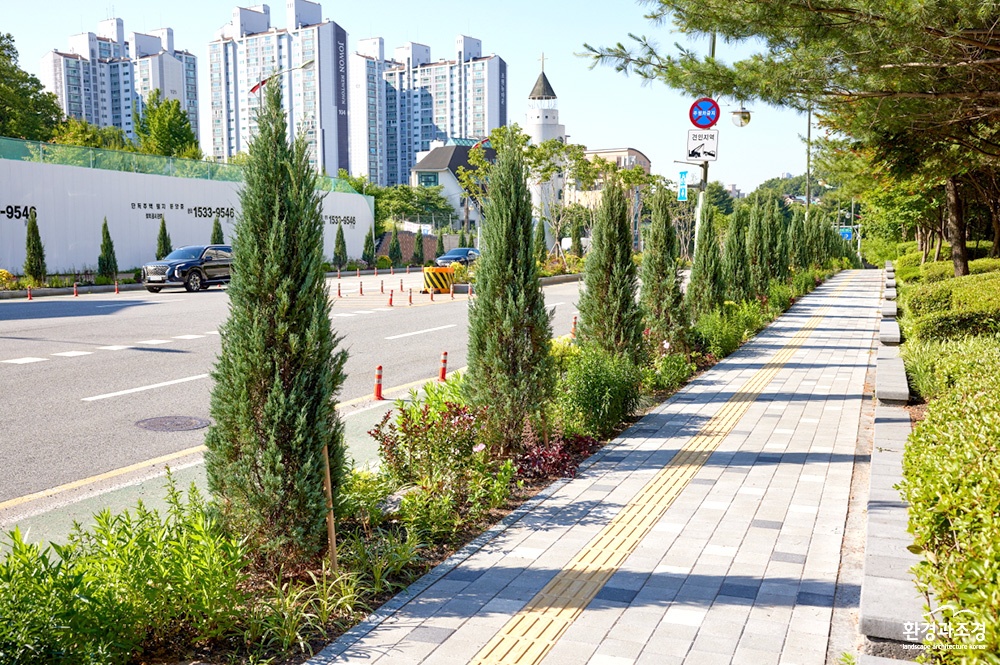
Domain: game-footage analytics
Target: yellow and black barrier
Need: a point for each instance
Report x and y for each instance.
(438, 280)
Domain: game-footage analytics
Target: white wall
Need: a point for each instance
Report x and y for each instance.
(72, 202)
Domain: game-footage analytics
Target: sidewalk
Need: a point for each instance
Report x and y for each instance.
(709, 532)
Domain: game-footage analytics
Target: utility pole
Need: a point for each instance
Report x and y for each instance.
(809, 161)
(703, 190)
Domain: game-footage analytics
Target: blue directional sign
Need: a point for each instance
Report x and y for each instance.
(704, 113)
(846, 232)
(682, 188)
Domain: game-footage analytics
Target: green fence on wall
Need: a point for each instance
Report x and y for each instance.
(133, 162)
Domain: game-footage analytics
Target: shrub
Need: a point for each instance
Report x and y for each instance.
(668, 372)
(952, 307)
(934, 367)
(557, 456)
(133, 580)
(803, 282)
(955, 324)
(163, 244)
(600, 390)
(461, 275)
(383, 262)
(951, 479)
(779, 298)
(563, 350)
(339, 248)
(6, 279)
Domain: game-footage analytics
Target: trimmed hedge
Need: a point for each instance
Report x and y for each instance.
(951, 479)
(941, 270)
(953, 308)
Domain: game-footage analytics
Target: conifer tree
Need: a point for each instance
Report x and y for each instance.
(440, 242)
(217, 237)
(340, 248)
(796, 242)
(279, 369)
(661, 296)
(706, 291)
(163, 245)
(107, 264)
(757, 252)
(540, 252)
(368, 253)
(510, 369)
(576, 242)
(610, 317)
(779, 237)
(418, 248)
(395, 251)
(462, 240)
(735, 266)
(34, 258)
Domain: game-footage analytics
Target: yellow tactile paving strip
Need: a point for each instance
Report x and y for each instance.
(531, 633)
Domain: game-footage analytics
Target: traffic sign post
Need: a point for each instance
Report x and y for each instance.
(703, 144)
(846, 232)
(704, 113)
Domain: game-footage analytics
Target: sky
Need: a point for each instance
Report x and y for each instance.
(601, 108)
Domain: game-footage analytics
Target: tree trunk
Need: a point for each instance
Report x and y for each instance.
(956, 228)
(938, 237)
(995, 218)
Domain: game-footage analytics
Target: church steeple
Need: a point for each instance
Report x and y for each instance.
(543, 89)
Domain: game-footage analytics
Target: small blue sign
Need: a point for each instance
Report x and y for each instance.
(846, 232)
(682, 188)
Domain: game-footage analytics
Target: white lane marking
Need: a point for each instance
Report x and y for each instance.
(555, 304)
(72, 354)
(212, 332)
(115, 347)
(134, 302)
(142, 388)
(384, 309)
(188, 336)
(363, 311)
(25, 361)
(421, 332)
(386, 404)
(344, 315)
(154, 342)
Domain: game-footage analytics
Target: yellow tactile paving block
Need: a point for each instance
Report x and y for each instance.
(531, 633)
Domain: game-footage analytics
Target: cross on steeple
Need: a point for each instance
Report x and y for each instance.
(543, 61)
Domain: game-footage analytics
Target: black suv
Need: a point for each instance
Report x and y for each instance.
(463, 255)
(196, 267)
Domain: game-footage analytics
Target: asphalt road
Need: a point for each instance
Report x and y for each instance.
(78, 374)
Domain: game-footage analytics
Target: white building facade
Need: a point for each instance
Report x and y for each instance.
(159, 66)
(368, 111)
(103, 77)
(465, 97)
(308, 59)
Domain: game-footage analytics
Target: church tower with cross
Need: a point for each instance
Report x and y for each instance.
(542, 124)
(542, 121)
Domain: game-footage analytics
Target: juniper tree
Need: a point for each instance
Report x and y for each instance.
(510, 369)
(418, 248)
(163, 245)
(610, 317)
(796, 242)
(539, 242)
(368, 253)
(461, 240)
(757, 252)
(217, 237)
(706, 291)
(279, 369)
(735, 267)
(395, 252)
(576, 242)
(340, 248)
(34, 254)
(107, 264)
(440, 242)
(661, 296)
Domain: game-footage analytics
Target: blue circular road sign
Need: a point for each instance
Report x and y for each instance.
(704, 113)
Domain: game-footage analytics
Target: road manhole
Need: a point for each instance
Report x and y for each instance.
(173, 423)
